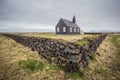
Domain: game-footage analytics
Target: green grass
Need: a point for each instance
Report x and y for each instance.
(80, 43)
(1, 40)
(85, 40)
(21, 51)
(26, 53)
(116, 42)
(101, 71)
(55, 36)
(115, 39)
(57, 67)
(116, 62)
(47, 66)
(72, 75)
(93, 58)
(31, 65)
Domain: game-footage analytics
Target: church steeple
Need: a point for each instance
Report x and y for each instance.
(74, 19)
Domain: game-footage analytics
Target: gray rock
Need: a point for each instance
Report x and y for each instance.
(62, 46)
(77, 51)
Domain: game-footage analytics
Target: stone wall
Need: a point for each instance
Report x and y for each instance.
(70, 57)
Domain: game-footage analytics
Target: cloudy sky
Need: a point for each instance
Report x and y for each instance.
(43, 15)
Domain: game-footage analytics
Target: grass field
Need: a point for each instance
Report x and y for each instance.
(56, 36)
(20, 63)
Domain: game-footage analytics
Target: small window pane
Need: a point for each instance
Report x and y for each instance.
(64, 29)
(70, 29)
(77, 30)
(58, 29)
(74, 29)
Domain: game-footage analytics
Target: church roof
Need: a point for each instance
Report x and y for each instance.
(69, 23)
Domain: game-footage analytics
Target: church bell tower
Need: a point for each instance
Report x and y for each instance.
(74, 19)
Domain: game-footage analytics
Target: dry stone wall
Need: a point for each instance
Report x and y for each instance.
(70, 57)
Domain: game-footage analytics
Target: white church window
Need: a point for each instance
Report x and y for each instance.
(58, 29)
(70, 29)
(74, 29)
(77, 30)
(64, 29)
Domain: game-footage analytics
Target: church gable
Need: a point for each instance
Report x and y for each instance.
(60, 23)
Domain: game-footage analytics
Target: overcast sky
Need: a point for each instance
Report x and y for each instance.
(43, 15)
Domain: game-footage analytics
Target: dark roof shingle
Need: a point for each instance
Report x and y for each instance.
(69, 23)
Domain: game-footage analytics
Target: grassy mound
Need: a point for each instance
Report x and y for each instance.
(31, 65)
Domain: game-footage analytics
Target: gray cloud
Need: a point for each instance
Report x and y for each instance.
(92, 15)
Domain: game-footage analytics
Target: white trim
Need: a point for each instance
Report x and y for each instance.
(70, 29)
(74, 29)
(58, 29)
(64, 29)
(78, 30)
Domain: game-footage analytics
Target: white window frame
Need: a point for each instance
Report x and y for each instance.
(64, 29)
(70, 29)
(58, 29)
(74, 29)
(78, 30)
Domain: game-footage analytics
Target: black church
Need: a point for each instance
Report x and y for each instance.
(67, 27)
